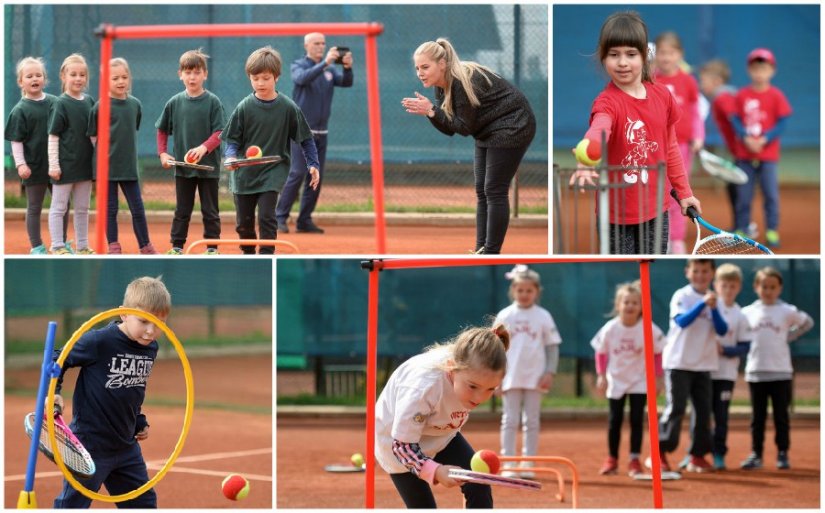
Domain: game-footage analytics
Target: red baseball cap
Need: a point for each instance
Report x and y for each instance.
(762, 54)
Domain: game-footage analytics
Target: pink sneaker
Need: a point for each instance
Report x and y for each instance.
(115, 249)
(634, 467)
(610, 466)
(148, 249)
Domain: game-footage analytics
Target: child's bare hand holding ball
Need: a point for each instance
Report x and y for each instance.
(194, 155)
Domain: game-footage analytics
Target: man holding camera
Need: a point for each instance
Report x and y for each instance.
(315, 77)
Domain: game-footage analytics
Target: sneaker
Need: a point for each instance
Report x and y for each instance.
(527, 474)
(699, 464)
(85, 251)
(282, 227)
(115, 249)
(753, 462)
(39, 250)
(609, 467)
(665, 466)
(309, 228)
(510, 472)
(719, 462)
(69, 246)
(772, 237)
(634, 467)
(782, 462)
(62, 251)
(175, 251)
(211, 251)
(149, 249)
(684, 463)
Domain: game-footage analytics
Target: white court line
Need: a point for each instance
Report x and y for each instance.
(156, 464)
(216, 473)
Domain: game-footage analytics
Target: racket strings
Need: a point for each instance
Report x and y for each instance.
(725, 244)
(74, 455)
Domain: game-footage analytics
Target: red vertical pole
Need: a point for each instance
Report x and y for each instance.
(372, 367)
(652, 417)
(376, 149)
(103, 119)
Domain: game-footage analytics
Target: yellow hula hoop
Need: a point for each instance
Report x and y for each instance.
(187, 419)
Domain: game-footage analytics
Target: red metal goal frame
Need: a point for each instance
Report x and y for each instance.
(376, 266)
(370, 31)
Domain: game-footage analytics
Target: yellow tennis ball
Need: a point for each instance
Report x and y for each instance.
(235, 487)
(588, 152)
(357, 460)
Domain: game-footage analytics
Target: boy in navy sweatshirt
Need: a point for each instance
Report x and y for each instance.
(115, 363)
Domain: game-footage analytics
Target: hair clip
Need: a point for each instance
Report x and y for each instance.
(518, 269)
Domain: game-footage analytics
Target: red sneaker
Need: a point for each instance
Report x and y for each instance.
(610, 466)
(699, 464)
(634, 467)
(662, 462)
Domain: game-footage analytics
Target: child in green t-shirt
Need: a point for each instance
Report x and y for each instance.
(270, 120)
(27, 130)
(124, 123)
(194, 118)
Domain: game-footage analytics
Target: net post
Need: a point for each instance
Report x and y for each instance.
(372, 368)
(652, 417)
(103, 119)
(376, 152)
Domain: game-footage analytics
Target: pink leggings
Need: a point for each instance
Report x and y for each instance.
(678, 222)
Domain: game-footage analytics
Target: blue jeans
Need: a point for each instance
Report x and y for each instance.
(131, 190)
(121, 472)
(298, 174)
(765, 173)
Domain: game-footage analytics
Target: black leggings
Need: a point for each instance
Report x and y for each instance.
(616, 417)
(494, 169)
(779, 392)
(416, 493)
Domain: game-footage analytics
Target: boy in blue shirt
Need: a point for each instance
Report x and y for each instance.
(115, 363)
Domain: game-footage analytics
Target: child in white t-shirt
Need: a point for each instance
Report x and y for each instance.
(690, 355)
(426, 401)
(769, 371)
(620, 367)
(531, 363)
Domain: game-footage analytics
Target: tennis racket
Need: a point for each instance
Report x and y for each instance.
(201, 167)
(721, 242)
(460, 474)
(76, 458)
(269, 159)
(721, 168)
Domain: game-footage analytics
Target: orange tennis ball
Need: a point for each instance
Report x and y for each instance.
(254, 152)
(485, 461)
(235, 487)
(588, 152)
(190, 158)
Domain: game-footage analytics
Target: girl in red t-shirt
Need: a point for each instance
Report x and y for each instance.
(639, 119)
(690, 129)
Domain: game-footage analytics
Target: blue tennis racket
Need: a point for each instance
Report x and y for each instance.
(721, 242)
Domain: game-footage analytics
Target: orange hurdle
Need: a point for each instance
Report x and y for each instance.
(549, 470)
(243, 242)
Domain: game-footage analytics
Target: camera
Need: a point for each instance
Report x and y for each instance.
(342, 50)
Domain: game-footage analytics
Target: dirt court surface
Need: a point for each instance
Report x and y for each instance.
(305, 445)
(799, 220)
(221, 440)
(338, 239)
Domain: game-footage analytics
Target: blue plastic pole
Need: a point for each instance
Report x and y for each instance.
(45, 377)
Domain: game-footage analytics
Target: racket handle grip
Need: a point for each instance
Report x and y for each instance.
(691, 211)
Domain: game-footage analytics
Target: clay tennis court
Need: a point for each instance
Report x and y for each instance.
(522, 238)
(305, 444)
(231, 432)
(799, 222)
